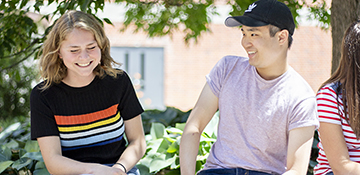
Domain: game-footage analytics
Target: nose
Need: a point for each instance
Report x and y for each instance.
(84, 54)
(245, 42)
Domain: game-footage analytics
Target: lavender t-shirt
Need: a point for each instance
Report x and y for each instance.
(256, 115)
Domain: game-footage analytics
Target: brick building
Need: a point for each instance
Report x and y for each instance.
(177, 71)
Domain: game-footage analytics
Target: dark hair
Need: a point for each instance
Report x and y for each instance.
(348, 73)
(273, 30)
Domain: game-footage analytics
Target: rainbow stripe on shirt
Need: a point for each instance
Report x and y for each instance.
(90, 130)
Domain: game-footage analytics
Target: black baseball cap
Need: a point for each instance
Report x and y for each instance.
(265, 12)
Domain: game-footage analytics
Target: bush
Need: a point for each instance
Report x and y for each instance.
(162, 154)
(18, 154)
(169, 117)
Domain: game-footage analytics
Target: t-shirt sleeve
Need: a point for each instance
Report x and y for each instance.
(42, 118)
(327, 106)
(129, 105)
(216, 76)
(304, 114)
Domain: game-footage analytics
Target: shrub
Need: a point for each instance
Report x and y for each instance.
(18, 154)
(169, 117)
(162, 154)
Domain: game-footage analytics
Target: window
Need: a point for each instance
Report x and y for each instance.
(145, 67)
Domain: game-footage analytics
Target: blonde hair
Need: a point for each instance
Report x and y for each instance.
(52, 68)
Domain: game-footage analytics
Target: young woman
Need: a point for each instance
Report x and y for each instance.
(83, 109)
(339, 112)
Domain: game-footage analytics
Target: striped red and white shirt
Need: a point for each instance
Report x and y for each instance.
(328, 110)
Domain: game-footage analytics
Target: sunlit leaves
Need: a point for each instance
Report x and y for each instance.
(165, 18)
(18, 157)
(321, 13)
(163, 146)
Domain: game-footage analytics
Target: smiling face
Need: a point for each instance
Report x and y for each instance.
(80, 54)
(266, 53)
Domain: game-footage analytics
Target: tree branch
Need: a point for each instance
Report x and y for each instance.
(15, 64)
(24, 50)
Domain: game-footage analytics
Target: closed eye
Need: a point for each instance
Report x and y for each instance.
(91, 48)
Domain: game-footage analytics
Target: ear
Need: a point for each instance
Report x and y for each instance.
(283, 37)
(59, 54)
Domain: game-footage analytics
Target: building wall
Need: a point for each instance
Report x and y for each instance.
(311, 54)
(185, 66)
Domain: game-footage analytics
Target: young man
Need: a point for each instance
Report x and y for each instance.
(267, 110)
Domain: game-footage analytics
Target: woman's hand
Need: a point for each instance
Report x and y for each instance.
(51, 151)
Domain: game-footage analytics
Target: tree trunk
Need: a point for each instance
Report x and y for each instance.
(343, 13)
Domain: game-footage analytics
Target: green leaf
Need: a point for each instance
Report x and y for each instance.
(160, 163)
(154, 146)
(180, 126)
(85, 5)
(22, 162)
(4, 165)
(9, 130)
(173, 147)
(174, 130)
(12, 144)
(34, 155)
(3, 157)
(99, 20)
(32, 146)
(42, 171)
(144, 170)
(157, 130)
(23, 3)
(5, 153)
(199, 165)
(22, 152)
(17, 76)
(107, 20)
(163, 147)
(40, 165)
(169, 155)
(50, 2)
(176, 163)
(145, 161)
(313, 163)
(170, 139)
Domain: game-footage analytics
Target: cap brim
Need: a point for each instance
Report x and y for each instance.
(234, 21)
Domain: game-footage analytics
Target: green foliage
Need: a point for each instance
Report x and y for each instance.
(314, 154)
(20, 44)
(15, 85)
(162, 154)
(15, 39)
(18, 154)
(17, 45)
(193, 17)
(321, 13)
(22, 41)
(17, 131)
(160, 19)
(168, 117)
